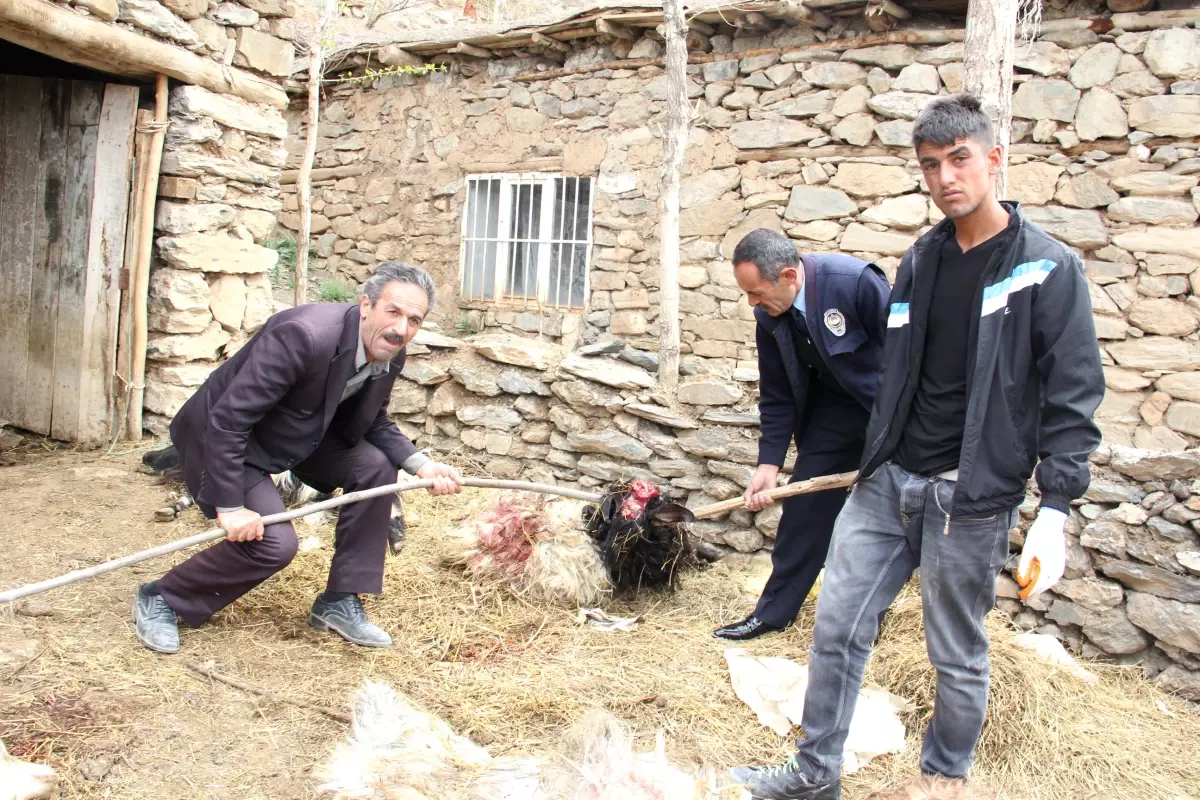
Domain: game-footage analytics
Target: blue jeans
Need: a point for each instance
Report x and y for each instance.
(892, 523)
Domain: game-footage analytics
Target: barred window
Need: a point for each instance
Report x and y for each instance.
(527, 238)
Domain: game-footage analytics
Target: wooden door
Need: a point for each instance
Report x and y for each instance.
(65, 166)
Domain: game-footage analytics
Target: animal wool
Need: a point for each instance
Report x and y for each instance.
(395, 751)
(534, 546)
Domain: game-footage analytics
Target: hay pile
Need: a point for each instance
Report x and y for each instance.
(515, 675)
(1049, 734)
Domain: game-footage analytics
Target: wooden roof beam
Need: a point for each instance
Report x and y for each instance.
(614, 29)
(464, 49)
(797, 11)
(550, 43)
(63, 34)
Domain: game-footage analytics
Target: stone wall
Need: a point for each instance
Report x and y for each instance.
(1105, 158)
(210, 287)
(219, 191)
(1131, 591)
(253, 34)
(814, 143)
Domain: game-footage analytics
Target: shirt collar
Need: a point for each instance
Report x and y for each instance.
(360, 361)
(798, 303)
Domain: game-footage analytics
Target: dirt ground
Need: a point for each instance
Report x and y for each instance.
(118, 721)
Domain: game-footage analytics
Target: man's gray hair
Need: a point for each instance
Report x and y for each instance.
(767, 249)
(947, 119)
(402, 271)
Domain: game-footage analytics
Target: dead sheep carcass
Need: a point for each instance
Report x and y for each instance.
(396, 751)
(21, 780)
(568, 552)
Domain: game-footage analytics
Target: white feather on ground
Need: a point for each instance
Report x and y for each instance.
(395, 751)
(21, 780)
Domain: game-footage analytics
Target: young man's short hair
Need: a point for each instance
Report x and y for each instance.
(951, 118)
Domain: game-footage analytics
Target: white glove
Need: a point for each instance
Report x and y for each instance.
(1044, 557)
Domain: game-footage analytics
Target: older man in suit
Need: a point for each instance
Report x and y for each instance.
(309, 393)
(820, 341)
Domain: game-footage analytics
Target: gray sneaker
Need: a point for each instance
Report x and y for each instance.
(154, 623)
(784, 782)
(347, 618)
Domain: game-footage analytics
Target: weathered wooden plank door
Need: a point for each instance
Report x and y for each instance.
(65, 167)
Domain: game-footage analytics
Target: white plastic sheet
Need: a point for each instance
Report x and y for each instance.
(774, 689)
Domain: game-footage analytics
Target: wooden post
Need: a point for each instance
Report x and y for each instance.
(316, 57)
(140, 280)
(125, 356)
(676, 136)
(988, 69)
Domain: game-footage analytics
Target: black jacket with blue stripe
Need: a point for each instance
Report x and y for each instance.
(1034, 374)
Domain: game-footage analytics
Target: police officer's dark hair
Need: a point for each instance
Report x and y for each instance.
(947, 119)
(768, 250)
(389, 271)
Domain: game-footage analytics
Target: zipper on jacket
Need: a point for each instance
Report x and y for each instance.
(1014, 235)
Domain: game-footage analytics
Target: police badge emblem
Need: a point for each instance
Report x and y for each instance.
(835, 322)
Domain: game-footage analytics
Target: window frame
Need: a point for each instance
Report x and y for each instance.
(501, 297)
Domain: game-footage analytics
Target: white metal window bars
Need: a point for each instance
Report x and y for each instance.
(527, 237)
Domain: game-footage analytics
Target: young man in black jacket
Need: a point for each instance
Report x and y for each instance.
(820, 330)
(991, 365)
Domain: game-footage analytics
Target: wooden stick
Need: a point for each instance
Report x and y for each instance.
(284, 516)
(59, 32)
(799, 487)
(290, 176)
(140, 284)
(125, 354)
(245, 687)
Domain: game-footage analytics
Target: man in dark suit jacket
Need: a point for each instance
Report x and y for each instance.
(309, 393)
(821, 323)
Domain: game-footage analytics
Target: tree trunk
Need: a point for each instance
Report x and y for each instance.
(676, 135)
(988, 68)
(304, 179)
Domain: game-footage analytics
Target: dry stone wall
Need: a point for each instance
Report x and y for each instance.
(218, 194)
(816, 144)
(210, 288)
(253, 34)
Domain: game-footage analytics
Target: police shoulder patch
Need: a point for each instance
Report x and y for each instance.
(835, 322)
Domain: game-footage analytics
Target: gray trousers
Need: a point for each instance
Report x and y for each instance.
(893, 523)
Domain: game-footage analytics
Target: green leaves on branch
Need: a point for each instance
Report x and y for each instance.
(370, 74)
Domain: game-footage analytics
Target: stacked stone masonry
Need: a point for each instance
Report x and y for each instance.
(1106, 157)
(219, 190)
(253, 34)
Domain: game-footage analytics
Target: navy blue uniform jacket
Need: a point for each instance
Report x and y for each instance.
(858, 291)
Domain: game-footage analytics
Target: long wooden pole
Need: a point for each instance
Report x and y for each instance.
(63, 34)
(283, 516)
(676, 136)
(820, 484)
(704, 512)
(140, 280)
(125, 359)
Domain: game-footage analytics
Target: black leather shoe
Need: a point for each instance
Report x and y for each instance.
(347, 618)
(784, 782)
(750, 628)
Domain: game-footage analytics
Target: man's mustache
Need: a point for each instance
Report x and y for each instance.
(393, 337)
